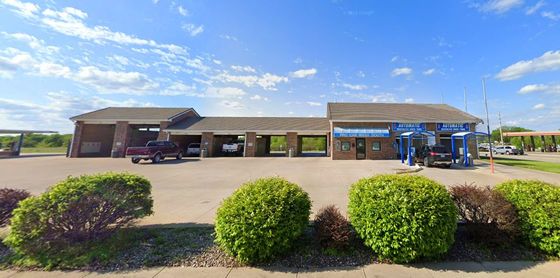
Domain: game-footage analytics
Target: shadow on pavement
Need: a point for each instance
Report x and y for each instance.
(476, 267)
(34, 155)
(169, 161)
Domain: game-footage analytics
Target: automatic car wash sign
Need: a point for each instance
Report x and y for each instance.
(360, 132)
(452, 127)
(409, 127)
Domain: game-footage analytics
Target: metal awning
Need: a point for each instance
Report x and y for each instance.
(360, 132)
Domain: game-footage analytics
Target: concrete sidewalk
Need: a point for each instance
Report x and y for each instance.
(447, 269)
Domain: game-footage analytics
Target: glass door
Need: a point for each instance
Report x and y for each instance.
(360, 148)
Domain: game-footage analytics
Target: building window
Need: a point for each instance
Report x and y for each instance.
(376, 146)
(345, 146)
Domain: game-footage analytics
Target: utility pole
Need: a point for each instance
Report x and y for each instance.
(465, 96)
(488, 126)
(501, 132)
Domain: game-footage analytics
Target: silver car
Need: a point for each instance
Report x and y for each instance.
(506, 150)
(193, 149)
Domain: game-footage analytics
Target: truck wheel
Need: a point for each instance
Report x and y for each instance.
(156, 159)
(427, 162)
(507, 153)
(180, 156)
(135, 160)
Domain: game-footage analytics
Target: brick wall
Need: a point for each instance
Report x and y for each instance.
(121, 138)
(387, 151)
(162, 134)
(103, 134)
(76, 139)
(207, 141)
(292, 143)
(250, 144)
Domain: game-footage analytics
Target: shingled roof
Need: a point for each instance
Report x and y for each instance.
(251, 124)
(398, 112)
(133, 113)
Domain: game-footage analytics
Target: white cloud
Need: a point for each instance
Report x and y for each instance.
(394, 59)
(500, 6)
(226, 92)
(12, 60)
(24, 9)
(243, 69)
(232, 104)
(355, 87)
(384, 97)
(70, 22)
(120, 59)
(33, 42)
(409, 100)
(258, 97)
(302, 73)
(313, 103)
(401, 71)
(52, 69)
(267, 81)
(542, 88)
(182, 11)
(531, 10)
(429, 71)
(53, 112)
(550, 15)
(229, 37)
(179, 88)
(538, 106)
(115, 81)
(192, 29)
(547, 62)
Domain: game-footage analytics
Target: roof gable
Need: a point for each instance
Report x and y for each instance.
(400, 112)
(133, 113)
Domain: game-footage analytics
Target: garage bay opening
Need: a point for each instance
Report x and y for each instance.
(313, 145)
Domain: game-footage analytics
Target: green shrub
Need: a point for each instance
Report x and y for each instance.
(75, 213)
(262, 219)
(538, 207)
(403, 217)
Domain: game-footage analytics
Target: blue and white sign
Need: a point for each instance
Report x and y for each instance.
(452, 127)
(360, 132)
(409, 127)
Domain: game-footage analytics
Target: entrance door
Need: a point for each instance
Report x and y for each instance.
(360, 148)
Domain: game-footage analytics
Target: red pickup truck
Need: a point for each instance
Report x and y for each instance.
(155, 151)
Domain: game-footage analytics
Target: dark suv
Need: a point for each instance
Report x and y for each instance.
(430, 155)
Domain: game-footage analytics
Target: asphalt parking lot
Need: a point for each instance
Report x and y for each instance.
(190, 190)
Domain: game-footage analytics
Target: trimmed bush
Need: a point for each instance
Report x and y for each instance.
(262, 219)
(488, 216)
(77, 212)
(538, 206)
(9, 199)
(332, 230)
(403, 217)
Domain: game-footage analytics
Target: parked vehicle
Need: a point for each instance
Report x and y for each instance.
(430, 155)
(509, 150)
(155, 151)
(193, 149)
(234, 147)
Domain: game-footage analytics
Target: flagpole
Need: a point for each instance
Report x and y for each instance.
(488, 126)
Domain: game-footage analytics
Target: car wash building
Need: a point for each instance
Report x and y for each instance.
(350, 130)
(373, 130)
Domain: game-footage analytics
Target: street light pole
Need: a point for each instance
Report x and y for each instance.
(488, 126)
(501, 132)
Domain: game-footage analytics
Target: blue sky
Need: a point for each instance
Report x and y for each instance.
(277, 58)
